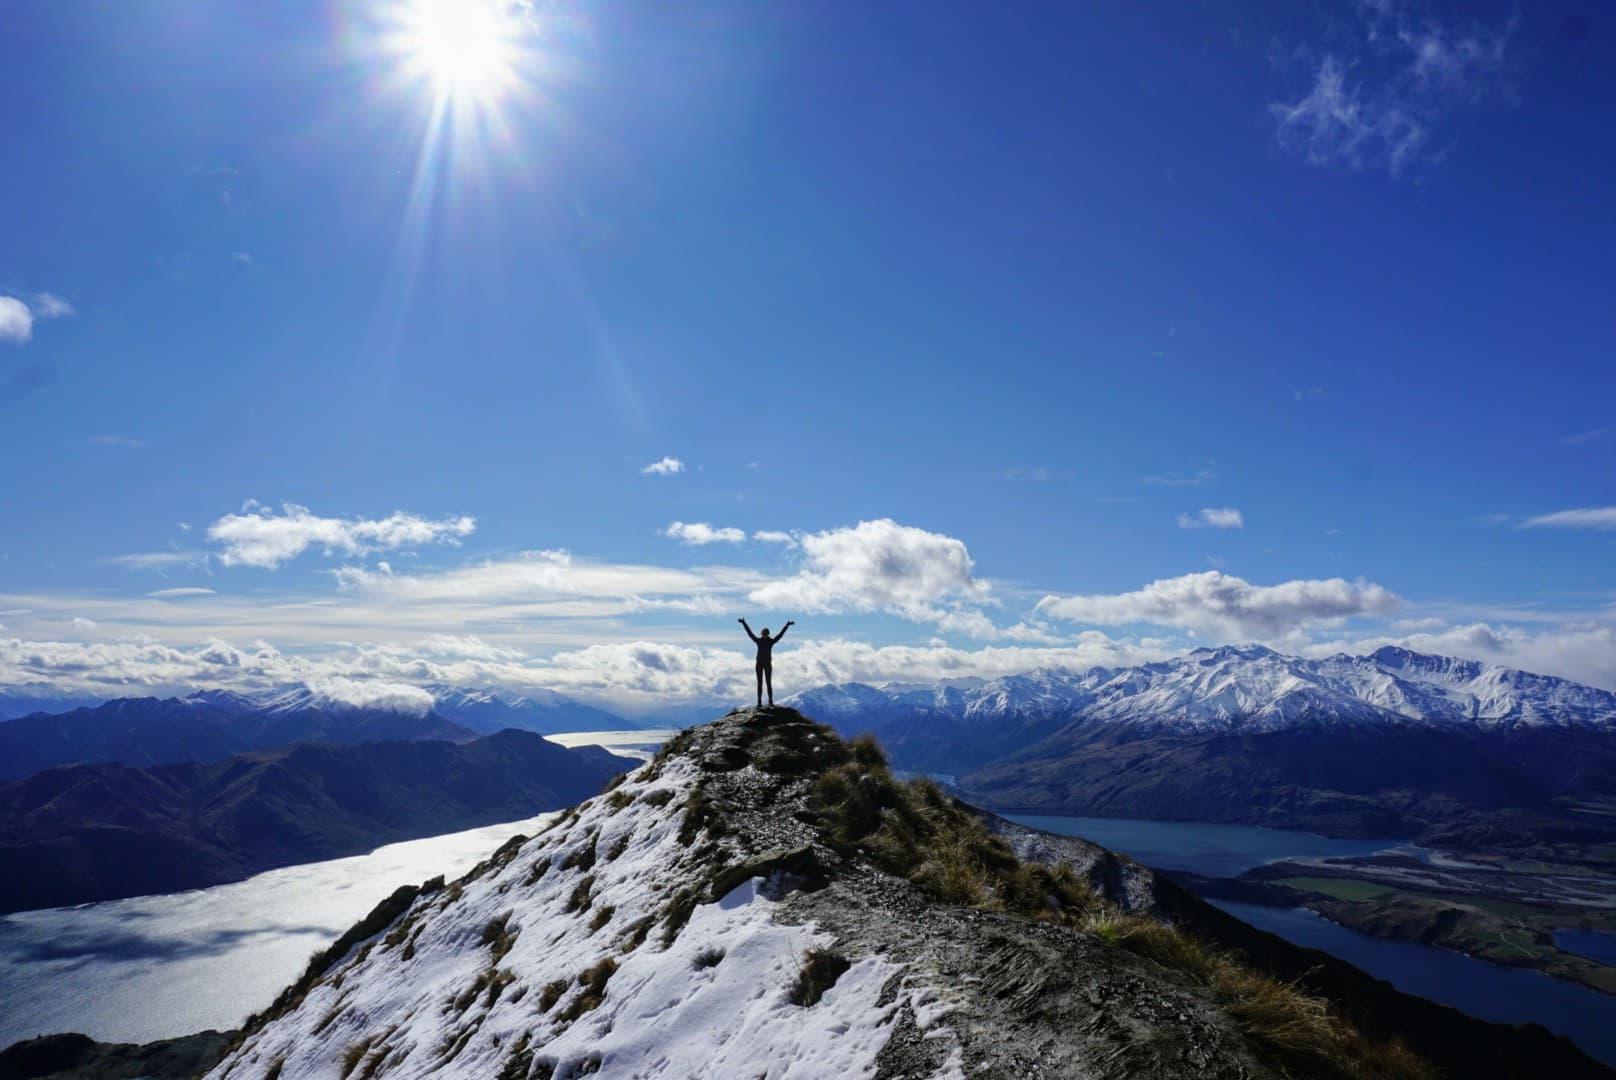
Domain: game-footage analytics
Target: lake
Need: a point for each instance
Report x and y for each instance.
(1210, 850)
(1488, 991)
(152, 967)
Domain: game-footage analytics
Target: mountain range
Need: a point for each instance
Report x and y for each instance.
(83, 832)
(1396, 743)
(206, 726)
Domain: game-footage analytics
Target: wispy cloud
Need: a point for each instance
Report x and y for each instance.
(158, 560)
(1193, 478)
(260, 537)
(1589, 517)
(666, 467)
(1307, 393)
(1228, 607)
(126, 441)
(774, 536)
(1380, 97)
(701, 533)
(175, 594)
(1583, 438)
(1212, 517)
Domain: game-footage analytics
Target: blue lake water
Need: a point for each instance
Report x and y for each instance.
(1487, 991)
(1596, 945)
(1212, 850)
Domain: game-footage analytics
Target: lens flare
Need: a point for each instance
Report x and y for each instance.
(463, 48)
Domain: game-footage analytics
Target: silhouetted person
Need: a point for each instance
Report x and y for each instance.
(765, 656)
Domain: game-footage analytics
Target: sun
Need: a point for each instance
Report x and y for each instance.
(463, 48)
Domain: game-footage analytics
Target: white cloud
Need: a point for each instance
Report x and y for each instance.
(1591, 517)
(116, 440)
(882, 566)
(1228, 607)
(1584, 650)
(17, 317)
(174, 594)
(643, 673)
(50, 306)
(158, 560)
(373, 694)
(260, 537)
(1182, 479)
(82, 624)
(774, 536)
(666, 467)
(699, 533)
(16, 321)
(1584, 438)
(1212, 517)
(1378, 103)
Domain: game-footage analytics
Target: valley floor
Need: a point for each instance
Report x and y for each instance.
(1543, 909)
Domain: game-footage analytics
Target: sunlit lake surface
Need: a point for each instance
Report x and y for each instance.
(155, 966)
(636, 744)
(1488, 991)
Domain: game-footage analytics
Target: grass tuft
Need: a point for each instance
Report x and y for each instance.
(818, 972)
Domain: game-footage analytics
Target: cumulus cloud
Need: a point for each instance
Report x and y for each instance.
(1228, 607)
(666, 467)
(1212, 517)
(260, 537)
(1590, 517)
(882, 566)
(1379, 100)
(17, 316)
(16, 321)
(701, 533)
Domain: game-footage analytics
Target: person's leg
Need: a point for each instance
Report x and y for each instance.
(760, 686)
(768, 677)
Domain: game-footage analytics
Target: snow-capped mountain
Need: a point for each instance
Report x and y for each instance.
(544, 711)
(1246, 688)
(483, 710)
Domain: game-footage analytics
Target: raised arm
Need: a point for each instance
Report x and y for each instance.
(748, 630)
(784, 628)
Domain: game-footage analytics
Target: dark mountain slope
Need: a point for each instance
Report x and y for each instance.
(1353, 780)
(159, 731)
(94, 832)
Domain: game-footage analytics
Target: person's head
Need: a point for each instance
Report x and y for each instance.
(765, 632)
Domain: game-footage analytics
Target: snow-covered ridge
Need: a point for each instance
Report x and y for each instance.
(484, 977)
(1249, 688)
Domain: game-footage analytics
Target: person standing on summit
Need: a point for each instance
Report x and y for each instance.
(765, 656)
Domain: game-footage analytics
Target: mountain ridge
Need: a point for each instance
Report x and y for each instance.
(84, 832)
(763, 898)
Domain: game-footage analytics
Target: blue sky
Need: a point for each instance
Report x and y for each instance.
(1074, 335)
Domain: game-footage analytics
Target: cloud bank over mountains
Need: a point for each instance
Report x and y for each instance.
(640, 634)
